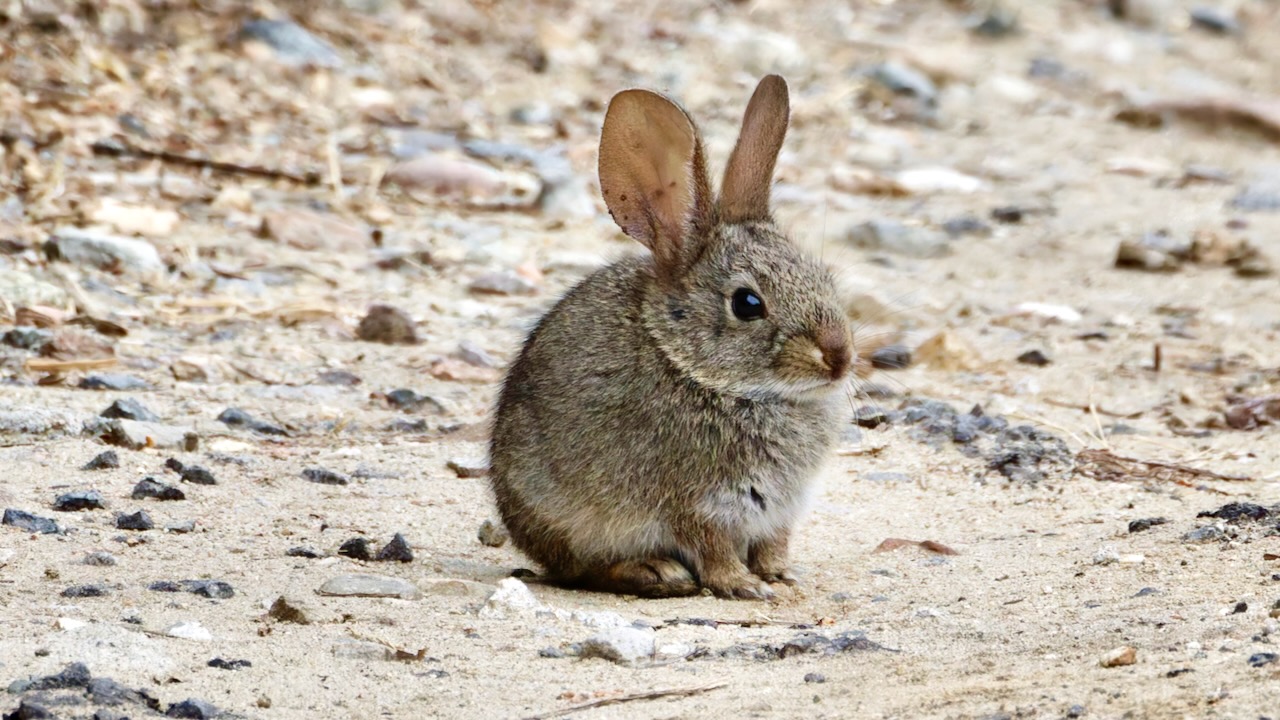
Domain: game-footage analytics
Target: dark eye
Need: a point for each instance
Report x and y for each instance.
(747, 305)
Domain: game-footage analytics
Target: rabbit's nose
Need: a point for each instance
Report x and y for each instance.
(833, 342)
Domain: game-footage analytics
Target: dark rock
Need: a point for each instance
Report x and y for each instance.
(338, 377)
(129, 409)
(1144, 524)
(113, 381)
(804, 644)
(229, 664)
(397, 550)
(492, 534)
(304, 552)
(1237, 512)
(1179, 671)
(27, 338)
(150, 488)
(29, 709)
(551, 652)
(1262, 659)
(1204, 534)
(79, 500)
(106, 460)
(86, 591)
(293, 45)
(1009, 214)
(356, 548)
(197, 475)
(870, 417)
(408, 401)
(814, 677)
(891, 357)
(100, 558)
(523, 574)
(967, 225)
(998, 21)
(903, 80)
(1241, 607)
(27, 521)
(324, 477)
(105, 691)
(1024, 454)
(194, 709)
(75, 675)
(388, 325)
(213, 589)
(1076, 711)
(136, 521)
(237, 418)
(1214, 19)
(1146, 591)
(1034, 357)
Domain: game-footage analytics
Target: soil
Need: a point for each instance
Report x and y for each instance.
(264, 279)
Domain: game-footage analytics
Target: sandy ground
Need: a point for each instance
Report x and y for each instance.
(1048, 578)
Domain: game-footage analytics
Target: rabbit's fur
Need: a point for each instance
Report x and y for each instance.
(648, 440)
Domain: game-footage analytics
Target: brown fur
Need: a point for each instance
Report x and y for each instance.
(647, 441)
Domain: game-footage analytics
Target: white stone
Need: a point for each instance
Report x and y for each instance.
(189, 630)
(624, 645)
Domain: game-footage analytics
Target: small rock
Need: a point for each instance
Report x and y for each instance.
(1146, 592)
(1237, 512)
(453, 587)
(459, 371)
(304, 552)
(310, 230)
(903, 80)
(79, 500)
(870, 417)
(1008, 214)
(291, 43)
(27, 338)
(134, 219)
(150, 488)
(212, 589)
(100, 558)
(129, 409)
(75, 675)
(468, 468)
(624, 645)
(136, 435)
(113, 381)
(815, 677)
(27, 521)
(511, 595)
(1119, 657)
(1034, 357)
(473, 354)
(1214, 19)
(895, 237)
(291, 610)
(193, 708)
(197, 475)
(324, 477)
(103, 461)
(356, 548)
(136, 521)
(442, 175)
(887, 477)
(1205, 534)
(235, 417)
(1076, 711)
(493, 534)
(189, 630)
(1144, 524)
(1240, 608)
(1262, 659)
(891, 357)
(389, 325)
(551, 652)
(229, 664)
(408, 401)
(1153, 252)
(967, 225)
(503, 283)
(396, 550)
(338, 377)
(181, 528)
(361, 650)
(926, 180)
(102, 251)
(86, 591)
(369, 586)
(1048, 312)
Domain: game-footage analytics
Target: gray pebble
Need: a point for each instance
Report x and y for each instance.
(100, 558)
(26, 521)
(369, 586)
(106, 460)
(79, 500)
(129, 409)
(137, 521)
(293, 44)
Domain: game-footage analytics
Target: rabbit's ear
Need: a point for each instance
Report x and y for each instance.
(653, 174)
(744, 194)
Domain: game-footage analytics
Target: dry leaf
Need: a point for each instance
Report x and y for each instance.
(932, 546)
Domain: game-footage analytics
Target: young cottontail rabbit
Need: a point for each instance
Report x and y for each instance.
(660, 430)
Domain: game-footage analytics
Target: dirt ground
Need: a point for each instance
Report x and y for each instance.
(438, 157)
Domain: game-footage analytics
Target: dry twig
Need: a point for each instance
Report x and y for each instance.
(1106, 465)
(650, 695)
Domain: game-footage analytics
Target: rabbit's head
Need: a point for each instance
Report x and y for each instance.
(733, 303)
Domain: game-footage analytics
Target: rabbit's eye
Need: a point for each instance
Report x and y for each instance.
(747, 305)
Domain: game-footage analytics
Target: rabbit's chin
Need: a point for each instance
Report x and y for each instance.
(814, 390)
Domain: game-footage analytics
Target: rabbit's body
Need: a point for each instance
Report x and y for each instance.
(660, 430)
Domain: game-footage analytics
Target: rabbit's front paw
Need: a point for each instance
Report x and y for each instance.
(738, 586)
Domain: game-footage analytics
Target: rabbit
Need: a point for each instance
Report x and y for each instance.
(661, 428)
